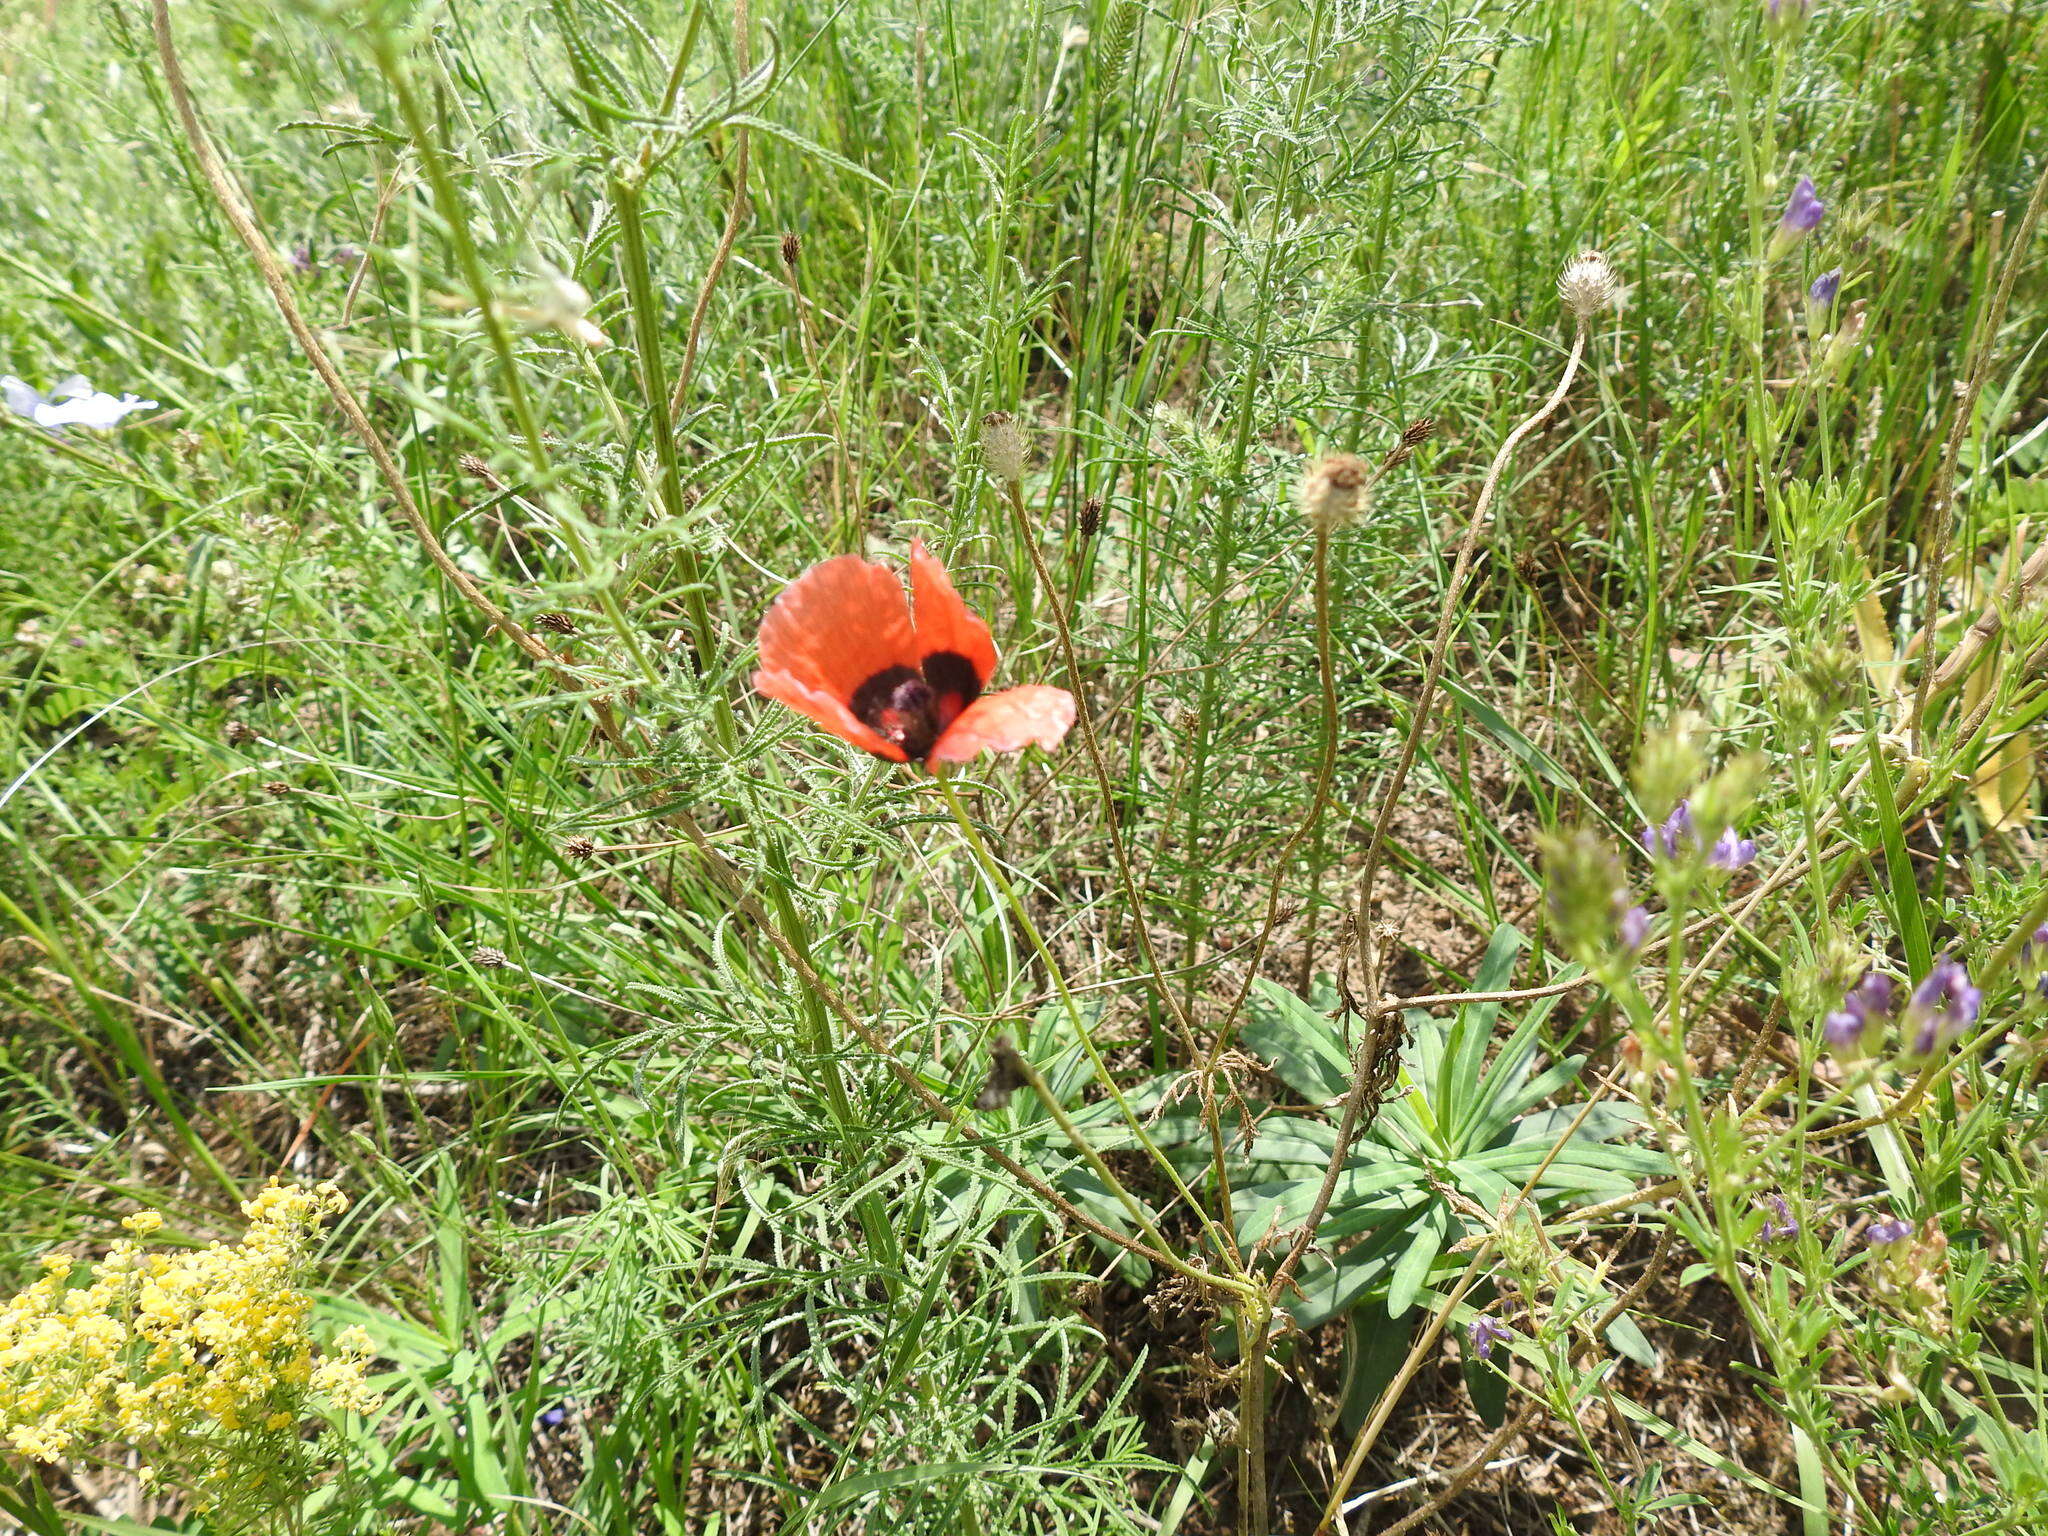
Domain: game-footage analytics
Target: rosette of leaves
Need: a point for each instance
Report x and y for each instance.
(1464, 1129)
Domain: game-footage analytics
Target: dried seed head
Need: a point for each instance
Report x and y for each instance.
(1412, 435)
(1588, 285)
(1002, 446)
(792, 247)
(277, 789)
(239, 733)
(488, 957)
(560, 623)
(1332, 493)
(579, 849)
(1005, 1075)
(475, 467)
(1091, 517)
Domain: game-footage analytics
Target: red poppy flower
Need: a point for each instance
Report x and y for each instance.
(843, 647)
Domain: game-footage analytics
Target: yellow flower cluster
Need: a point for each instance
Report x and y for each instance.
(178, 1354)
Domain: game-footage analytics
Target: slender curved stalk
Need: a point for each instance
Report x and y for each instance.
(735, 216)
(1365, 1062)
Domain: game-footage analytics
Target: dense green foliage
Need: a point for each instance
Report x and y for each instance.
(748, 1135)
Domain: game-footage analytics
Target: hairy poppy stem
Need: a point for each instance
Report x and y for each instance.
(990, 867)
(1084, 715)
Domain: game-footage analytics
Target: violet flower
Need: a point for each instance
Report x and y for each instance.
(1869, 1002)
(1481, 1333)
(1732, 852)
(1677, 831)
(1889, 1230)
(1803, 212)
(1824, 288)
(1787, 1225)
(1633, 928)
(1944, 1005)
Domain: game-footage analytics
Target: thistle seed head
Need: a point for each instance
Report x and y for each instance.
(1588, 285)
(1334, 491)
(1002, 446)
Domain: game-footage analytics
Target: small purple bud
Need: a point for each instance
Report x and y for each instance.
(1732, 852)
(1481, 1333)
(346, 255)
(1890, 1230)
(551, 1418)
(1803, 209)
(1869, 1002)
(1803, 212)
(302, 258)
(1824, 288)
(1633, 928)
(2034, 947)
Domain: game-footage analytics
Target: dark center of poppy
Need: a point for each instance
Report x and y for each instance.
(912, 709)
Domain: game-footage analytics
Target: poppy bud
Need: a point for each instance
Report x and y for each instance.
(1588, 285)
(1333, 493)
(1002, 446)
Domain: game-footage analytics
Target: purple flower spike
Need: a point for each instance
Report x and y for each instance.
(1633, 928)
(1824, 288)
(1890, 1230)
(1481, 1333)
(1942, 1006)
(1732, 852)
(1787, 1225)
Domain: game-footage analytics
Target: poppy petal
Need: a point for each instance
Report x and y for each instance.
(1007, 722)
(837, 625)
(944, 622)
(828, 711)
